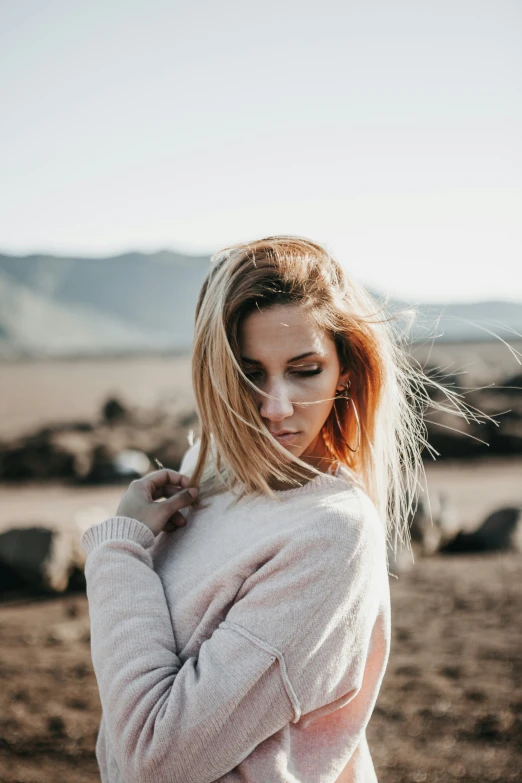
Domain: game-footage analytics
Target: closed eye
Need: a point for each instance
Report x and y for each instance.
(308, 372)
(302, 373)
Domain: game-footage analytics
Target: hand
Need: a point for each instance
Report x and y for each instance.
(139, 500)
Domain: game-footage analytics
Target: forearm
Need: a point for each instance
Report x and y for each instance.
(132, 640)
(189, 723)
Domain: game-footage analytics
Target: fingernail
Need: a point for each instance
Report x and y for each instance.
(193, 491)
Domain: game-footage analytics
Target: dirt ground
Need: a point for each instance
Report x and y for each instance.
(38, 393)
(450, 708)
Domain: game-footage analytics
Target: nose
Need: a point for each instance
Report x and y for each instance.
(278, 406)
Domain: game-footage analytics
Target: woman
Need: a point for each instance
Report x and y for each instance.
(246, 638)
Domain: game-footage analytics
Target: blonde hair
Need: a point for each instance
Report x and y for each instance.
(387, 391)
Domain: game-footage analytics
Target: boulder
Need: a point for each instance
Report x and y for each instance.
(46, 559)
(435, 524)
(500, 531)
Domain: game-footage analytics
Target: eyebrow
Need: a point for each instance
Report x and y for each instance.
(301, 356)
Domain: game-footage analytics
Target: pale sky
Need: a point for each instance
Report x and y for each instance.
(390, 131)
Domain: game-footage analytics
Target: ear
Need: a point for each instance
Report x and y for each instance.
(344, 377)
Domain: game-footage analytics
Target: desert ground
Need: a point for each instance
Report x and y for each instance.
(450, 708)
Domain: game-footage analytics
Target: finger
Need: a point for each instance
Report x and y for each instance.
(164, 476)
(154, 482)
(178, 520)
(169, 490)
(182, 499)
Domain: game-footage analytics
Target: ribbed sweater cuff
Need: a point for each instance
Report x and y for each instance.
(119, 529)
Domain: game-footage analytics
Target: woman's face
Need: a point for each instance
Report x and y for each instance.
(285, 354)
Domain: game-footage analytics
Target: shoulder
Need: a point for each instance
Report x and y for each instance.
(346, 504)
(342, 520)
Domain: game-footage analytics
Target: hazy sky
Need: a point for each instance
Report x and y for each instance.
(390, 131)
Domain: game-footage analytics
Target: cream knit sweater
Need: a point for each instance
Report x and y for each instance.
(248, 645)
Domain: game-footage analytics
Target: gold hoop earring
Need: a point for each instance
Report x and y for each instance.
(345, 396)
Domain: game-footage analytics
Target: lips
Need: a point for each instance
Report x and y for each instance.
(285, 435)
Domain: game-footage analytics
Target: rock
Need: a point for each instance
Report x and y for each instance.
(432, 528)
(25, 552)
(112, 465)
(45, 558)
(117, 448)
(500, 531)
(113, 411)
(131, 464)
(102, 466)
(35, 457)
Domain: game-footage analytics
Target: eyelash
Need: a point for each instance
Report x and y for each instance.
(302, 373)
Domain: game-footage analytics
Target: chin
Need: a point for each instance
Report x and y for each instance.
(296, 451)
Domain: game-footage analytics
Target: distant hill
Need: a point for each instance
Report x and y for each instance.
(59, 305)
(51, 305)
(32, 324)
(466, 321)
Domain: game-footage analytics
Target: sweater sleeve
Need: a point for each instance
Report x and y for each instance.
(323, 602)
(294, 639)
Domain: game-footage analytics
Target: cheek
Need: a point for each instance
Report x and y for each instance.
(323, 390)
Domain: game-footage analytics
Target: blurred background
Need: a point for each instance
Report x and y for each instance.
(139, 138)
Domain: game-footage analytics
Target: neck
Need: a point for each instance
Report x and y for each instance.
(319, 457)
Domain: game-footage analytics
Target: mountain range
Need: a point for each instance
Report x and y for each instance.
(137, 302)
